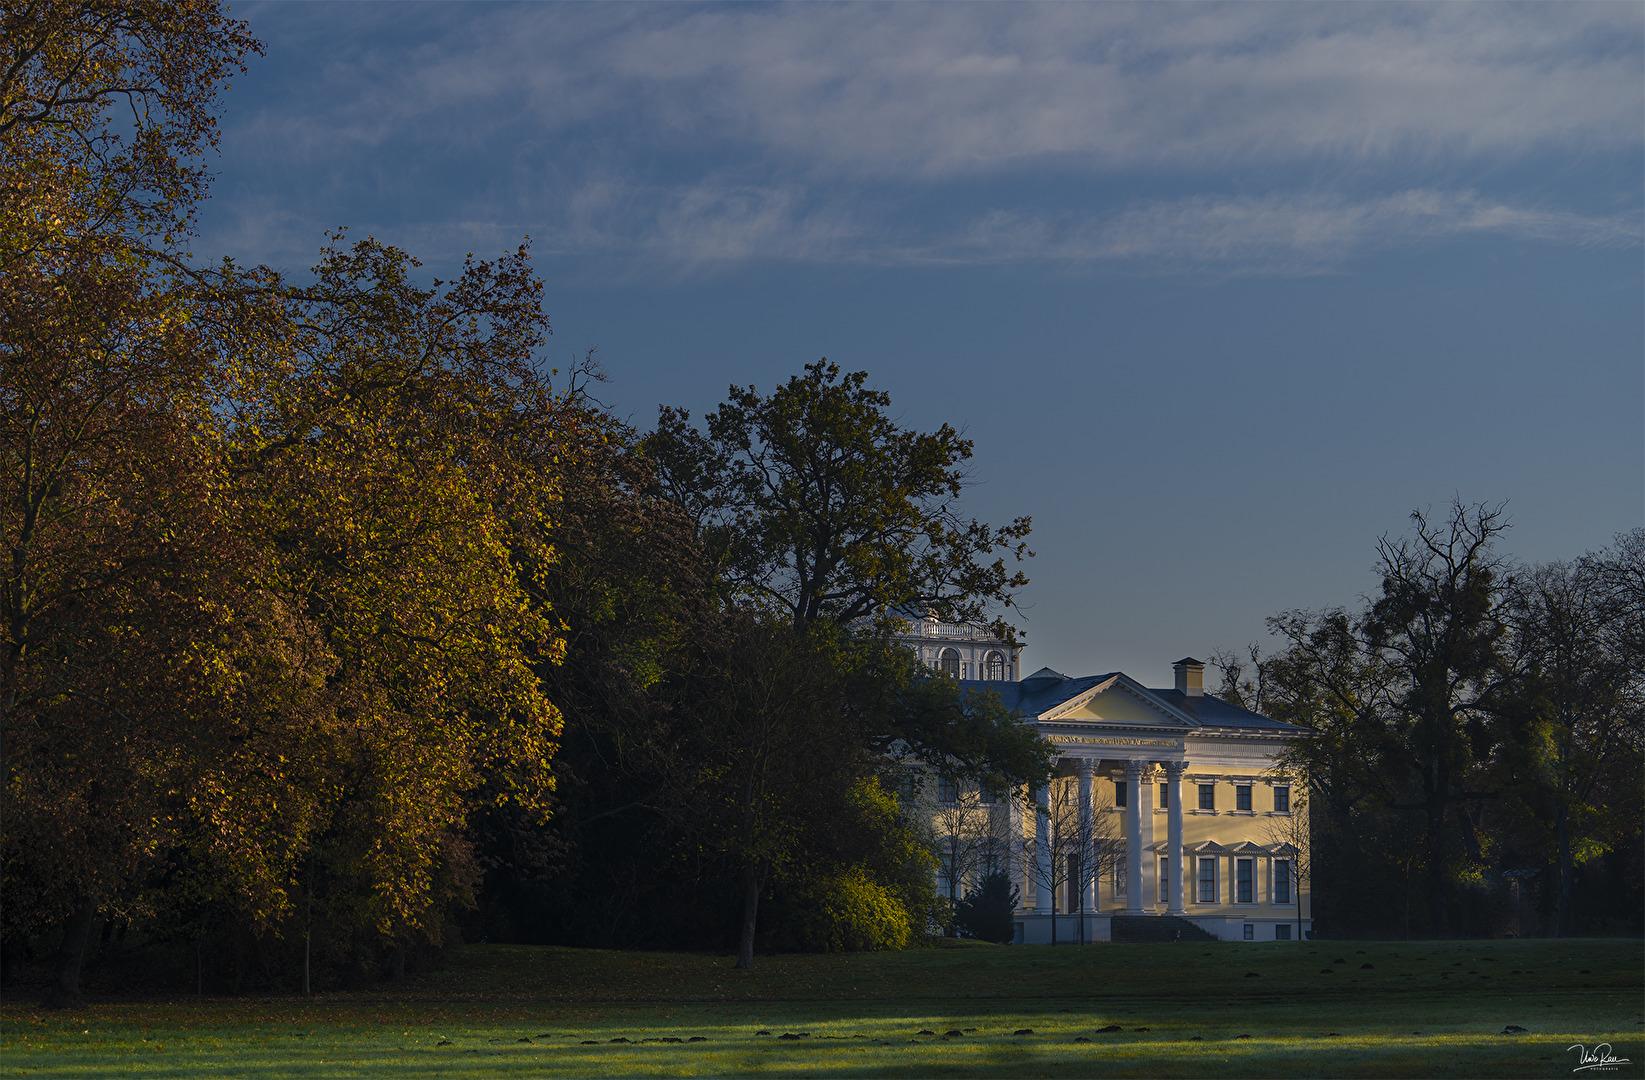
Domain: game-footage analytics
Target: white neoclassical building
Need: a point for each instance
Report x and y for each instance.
(1166, 805)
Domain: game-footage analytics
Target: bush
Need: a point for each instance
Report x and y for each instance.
(985, 913)
(848, 913)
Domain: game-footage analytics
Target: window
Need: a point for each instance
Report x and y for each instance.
(986, 797)
(1242, 881)
(993, 667)
(1242, 797)
(1250, 932)
(949, 662)
(1165, 878)
(1282, 932)
(947, 791)
(1119, 793)
(946, 877)
(1208, 796)
(1208, 881)
(1282, 881)
(1120, 875)
(993, 857)
(1282, 800)
(1165, 796)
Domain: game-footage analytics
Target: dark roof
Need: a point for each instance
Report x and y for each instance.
(1188, 660)
(1032, 698)
(1036, 696)
(1215, 712)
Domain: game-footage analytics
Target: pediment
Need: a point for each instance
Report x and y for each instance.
(1121, 702)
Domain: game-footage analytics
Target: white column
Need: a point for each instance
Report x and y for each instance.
(1015, 867)
(1133, 837)
(1043, 896)
(1085, 848)
(1178, 868)
(1150, 874)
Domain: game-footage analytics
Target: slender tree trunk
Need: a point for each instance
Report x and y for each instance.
(1081, 883)
(1439, 916)
(1562, 903)
(308, 922)
(753, 883)
(65, 991)
(1439, 919)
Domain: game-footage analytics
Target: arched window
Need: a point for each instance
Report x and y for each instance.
(993, 667)
(949, 662)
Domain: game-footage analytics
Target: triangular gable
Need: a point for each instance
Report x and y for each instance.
(1121, 700)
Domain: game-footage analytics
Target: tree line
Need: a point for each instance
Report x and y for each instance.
(1476, 736)
(337, 623)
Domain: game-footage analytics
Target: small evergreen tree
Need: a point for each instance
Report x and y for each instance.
(986, 912)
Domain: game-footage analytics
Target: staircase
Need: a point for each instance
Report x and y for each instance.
(1133, 928)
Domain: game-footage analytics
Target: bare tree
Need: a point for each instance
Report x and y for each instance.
(1081, 849)
(1244, 679)
(968, 832)
(1289, 839)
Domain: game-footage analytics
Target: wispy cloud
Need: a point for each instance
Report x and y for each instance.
(924, 90)
(1277, 233)
(1272, 233)
(906, 134)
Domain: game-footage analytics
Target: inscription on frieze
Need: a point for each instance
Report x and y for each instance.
(1112, 740)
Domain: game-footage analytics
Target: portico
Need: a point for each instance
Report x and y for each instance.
(1113, 833)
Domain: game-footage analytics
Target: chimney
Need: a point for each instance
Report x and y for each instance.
(1190, 676)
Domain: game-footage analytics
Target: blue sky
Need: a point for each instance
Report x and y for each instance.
(1220, 292)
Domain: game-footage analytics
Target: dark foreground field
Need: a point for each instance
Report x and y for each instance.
(1279, 1009)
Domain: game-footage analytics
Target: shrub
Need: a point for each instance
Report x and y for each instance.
(849, 913)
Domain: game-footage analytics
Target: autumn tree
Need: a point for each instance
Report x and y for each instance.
(270, 622)
(114, 588)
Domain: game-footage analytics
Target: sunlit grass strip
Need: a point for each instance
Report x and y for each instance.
(510, 1011)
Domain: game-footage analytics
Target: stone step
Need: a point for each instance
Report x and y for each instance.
(1134, 928)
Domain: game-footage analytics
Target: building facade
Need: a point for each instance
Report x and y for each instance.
(968, 653)
(1166, 802)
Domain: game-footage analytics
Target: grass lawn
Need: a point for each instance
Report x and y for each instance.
(1433, 1009)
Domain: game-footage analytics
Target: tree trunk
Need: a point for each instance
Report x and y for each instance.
(65, 991)
(753, 882)
(1439, 917)
(1562, 903)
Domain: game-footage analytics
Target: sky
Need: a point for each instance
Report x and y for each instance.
(1221, 293)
